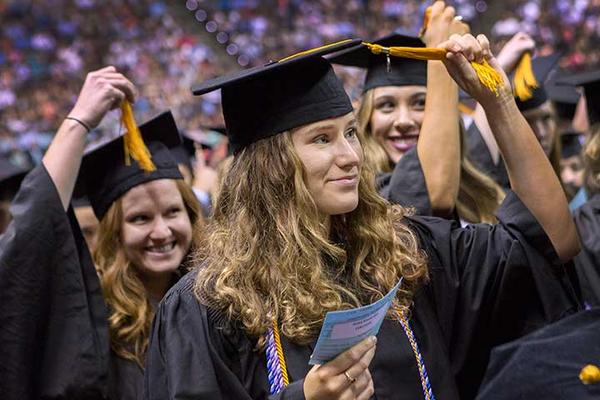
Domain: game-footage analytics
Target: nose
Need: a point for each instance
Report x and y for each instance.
(347, 156)
(403, 120)
(160, 229)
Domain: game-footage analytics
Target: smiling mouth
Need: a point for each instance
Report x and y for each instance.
(403, 143)
(162, 249)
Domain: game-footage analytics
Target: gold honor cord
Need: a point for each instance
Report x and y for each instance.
(590, 374)
(134, 143)
(488, 76)
(524, 80)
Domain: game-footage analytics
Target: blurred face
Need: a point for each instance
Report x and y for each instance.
(397, 116)
(156, 231)
(89, 225)
(543, 123)
(571, 174)
(332, 158)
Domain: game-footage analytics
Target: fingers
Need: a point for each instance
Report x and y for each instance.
(485, 45)
(363, 364)
(350, 357)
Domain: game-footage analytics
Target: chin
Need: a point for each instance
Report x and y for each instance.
(341, 208)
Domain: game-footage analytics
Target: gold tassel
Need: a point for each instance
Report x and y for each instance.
(133, 141)
(488, 76)
(590, 374)
(524, 80)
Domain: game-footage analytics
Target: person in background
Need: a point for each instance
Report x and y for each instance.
(538, 110)
(10, 180)
(571, 164)
(83, 322)
(88, 223)
(587, 216)
(299, 230)
(410, 100)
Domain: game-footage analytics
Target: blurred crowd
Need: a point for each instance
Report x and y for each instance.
(45, 47)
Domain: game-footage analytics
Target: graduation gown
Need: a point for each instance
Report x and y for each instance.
(405, 185)
(480, 155)
(53, 320)
(489, 285)
(54, 340)
(546, 364)
(587, 262)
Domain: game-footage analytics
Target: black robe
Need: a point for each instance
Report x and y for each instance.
(54, 341)
(53, 321)
(546, 364)
(587, 262)
(406, 185)
(489, 285)
(480, 155)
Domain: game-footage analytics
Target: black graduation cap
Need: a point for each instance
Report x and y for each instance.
(104, 176)
(266, 100)
(184, 152)
(591, 87)
(10, 179)
(542, 67)
(564, 97)
(400, 72)
(547, 363)
(570, 144)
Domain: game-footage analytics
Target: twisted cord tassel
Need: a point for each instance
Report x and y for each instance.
(276, 367)
(425, 383)
(524, 80)
(134, 143)
(590, 374)
(487, 75)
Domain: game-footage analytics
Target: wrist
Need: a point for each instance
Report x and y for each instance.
(79, 122)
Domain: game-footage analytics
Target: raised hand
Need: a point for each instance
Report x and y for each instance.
(462, 49)
(102, 91)
(513, 50)
(442, 23)
(346, 377)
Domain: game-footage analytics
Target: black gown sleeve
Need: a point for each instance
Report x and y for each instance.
(491, 284)
(587, 262)
(194, 354)
(407, 185)
(480, 155)
(53, 322)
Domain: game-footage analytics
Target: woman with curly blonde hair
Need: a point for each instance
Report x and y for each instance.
(299, 230)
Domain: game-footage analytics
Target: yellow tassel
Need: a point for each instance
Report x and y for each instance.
(488, 76)
(590, 374)
(524, 80)
(134, 143)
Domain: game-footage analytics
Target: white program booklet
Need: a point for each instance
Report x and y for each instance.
(343, 329)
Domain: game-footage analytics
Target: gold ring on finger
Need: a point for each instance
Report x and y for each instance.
(350, 378)
(458, 18)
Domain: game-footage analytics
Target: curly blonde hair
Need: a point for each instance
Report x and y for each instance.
(591, 161)
(478, 195)
(131, 312)
(268, 255)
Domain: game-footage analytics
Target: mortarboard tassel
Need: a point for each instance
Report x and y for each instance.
(134, 143)
(488, 76)
(524, 80)
(590, 374)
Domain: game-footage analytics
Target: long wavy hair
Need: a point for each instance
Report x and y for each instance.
(131, 312)
(268, 255)
(591, 161)
(478, 195)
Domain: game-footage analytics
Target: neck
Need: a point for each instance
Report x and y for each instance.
(156, 285)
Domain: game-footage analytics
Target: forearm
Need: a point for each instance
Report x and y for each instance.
(439, 142)
(480, 120)
(531, 175)
(63, 158)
